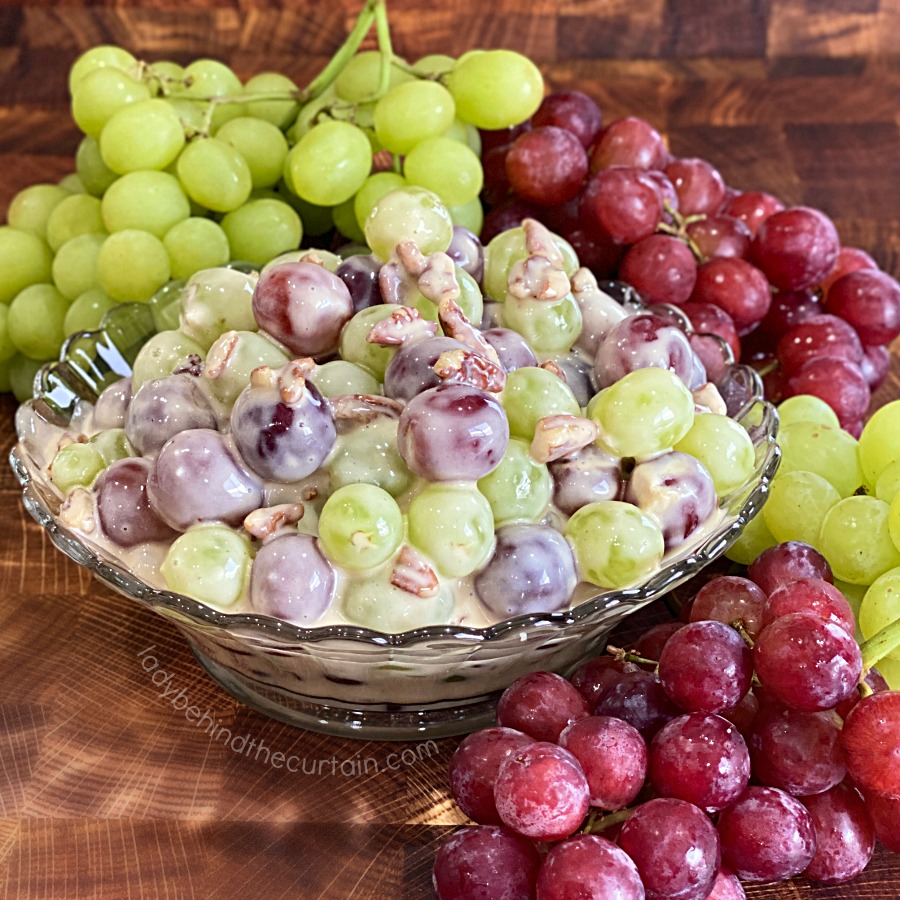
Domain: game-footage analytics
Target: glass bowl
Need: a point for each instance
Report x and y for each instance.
(345, 680)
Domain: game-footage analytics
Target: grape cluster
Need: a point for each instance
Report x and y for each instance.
(771, 280)
(439, 470)
(751, 741)
(185, 168)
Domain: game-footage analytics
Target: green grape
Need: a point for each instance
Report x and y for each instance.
(359, 79)
(409, 214)
(856, 540)
(356, 349)
(161, 355)
(86, 311)
(452, 524)
(531, 393)
(508, 248)
(878, 444)
(377, 604)
(470, 216)
(279, 113)
(261, 229)
(329, 260)
(495, 89)
(195, 244)
(644, 413)
(7, 347)
(374, 188)
(261, 144)
(214, 301)
(880, 607)
(329, 164)
(316, 220)
(519, 489)
(210, 78)
(214, 174)
(132, 265)
(112, 444)
(24, 260)
(344, 216)
(101, 94)
(165, 75)
(723, 447)
(806, 408)
(754, 538)
(894, 521)
(95, 175)
(5, 379)
(22, 373)
(35, 321)
(76, 465)
(144, 135)
(829, 452)
(411, 112)
(360, 526)
(96, 58)
(30, 209)
(75, 265)
(210, 563)
(77, 214)
(433, 64)
(445, 167)
(165, 305)
(888, 484)
(615, 544)
(890, 670)
(233, 357)
(341, 377)
(147, 200)
(368, 454)
(190, 115)
(72, 184)
(312, 113)
(797, 505)
(549, 326)
(466, 134)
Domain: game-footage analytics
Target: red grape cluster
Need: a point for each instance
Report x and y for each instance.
(754, 750)
(815, 316)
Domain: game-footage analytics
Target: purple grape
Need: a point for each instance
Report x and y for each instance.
(766, 835)
(474, 767)
(583, 477)
(485, 862)
(122, 505)
(579, 376)
(291, 579)
(639, 699)
(198, 477)
(532, 570)
(112, 404)
(541, 705)
(360, 274)
(639, 342)
(411, 369)
(467, 251)
(600, 313)
(845, 835)
(700, 758)
(597, 674)
(165, 407)
(675, 848)
(676, 491)
(282, 439)
(512, 349)
(587, 865)
(453, 432)
(303, 306)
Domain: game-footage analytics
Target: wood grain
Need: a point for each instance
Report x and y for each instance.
(106, 790)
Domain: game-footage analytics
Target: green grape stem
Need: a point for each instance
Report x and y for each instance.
(627, 656)
(597, 824)
(877, 647)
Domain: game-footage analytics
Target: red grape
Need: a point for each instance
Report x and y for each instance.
(661, 268)
(592, 678)
(639, 699)
(736, 286)
(727, 887)
(628, 142)
(546, 165)
(796, 248)
(572, 110)
(541, 704)
(875, 365)
(885, 813)
(871, 742)
(707, 318)
(789, 308)
(850, 259)
(650, 644)
(612, 754)
(815, 338)
(752, 208)
(720, 235)
(587, 865)
(700, 188)
(786, 562)
(729, 599)
(814, 595)
(870, 301)
(621, 204)
(839, 382)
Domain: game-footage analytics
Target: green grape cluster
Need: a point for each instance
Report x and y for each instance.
(182, 169)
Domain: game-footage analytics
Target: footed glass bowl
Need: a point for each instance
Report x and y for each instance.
(345, 680)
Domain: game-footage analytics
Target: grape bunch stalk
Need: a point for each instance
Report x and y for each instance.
(182, 169)
(751, 741)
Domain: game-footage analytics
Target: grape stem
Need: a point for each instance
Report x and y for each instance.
(877, 647)
(596, 824)
(627, 656)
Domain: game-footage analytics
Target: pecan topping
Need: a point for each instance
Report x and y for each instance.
(561, 435)
(401, 325)
(264, 522)
(413, 574)
(467, 367)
